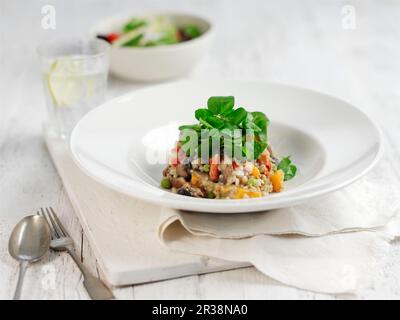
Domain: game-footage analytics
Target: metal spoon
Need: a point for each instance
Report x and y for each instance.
(29, 241)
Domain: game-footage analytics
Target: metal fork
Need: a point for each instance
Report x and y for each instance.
(61, 241)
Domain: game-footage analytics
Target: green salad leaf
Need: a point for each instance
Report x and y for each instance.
(222, 116)
(157, 30)
(134, 41)
(288, 168)
(191, 31)
(133, 24)
(220, 105)
(237, 116)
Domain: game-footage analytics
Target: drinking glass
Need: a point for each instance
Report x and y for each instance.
(74, 73)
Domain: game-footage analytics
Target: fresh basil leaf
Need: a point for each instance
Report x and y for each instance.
(291, 172)
(252, 150)
(227, 114)
(220, 105)
(248, 124)
(259, 147)
(260, 119)
(288, 168)
(205, 116)
(202, 114)
(237, 116)
(263, 136)
(247, 152)
(284, 163)
(215, 122)
(221, 117)
(205, 124)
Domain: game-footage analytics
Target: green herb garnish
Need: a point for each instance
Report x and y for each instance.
(221, 117)
(288, 168)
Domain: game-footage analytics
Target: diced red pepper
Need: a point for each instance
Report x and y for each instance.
(235, 165)
(111, 37)
(264, 159)
(214, 173)
(268, 169)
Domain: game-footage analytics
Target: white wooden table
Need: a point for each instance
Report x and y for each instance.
(296, 42)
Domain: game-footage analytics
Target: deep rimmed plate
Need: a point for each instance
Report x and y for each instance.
(122, 142)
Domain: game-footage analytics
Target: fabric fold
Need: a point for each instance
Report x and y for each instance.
(332, 244)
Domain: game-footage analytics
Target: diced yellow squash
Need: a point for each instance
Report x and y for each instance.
(255, 173)
(254, 194)
(240, 193)
(277, 181)
(195, 180)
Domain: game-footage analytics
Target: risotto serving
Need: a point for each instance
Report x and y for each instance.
(226, 155)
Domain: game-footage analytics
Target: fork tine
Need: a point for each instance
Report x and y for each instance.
(59, 223)
(56, 227)
(52, 230)
(53, 224)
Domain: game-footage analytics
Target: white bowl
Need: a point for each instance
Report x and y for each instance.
(161, 62)
(332, 142)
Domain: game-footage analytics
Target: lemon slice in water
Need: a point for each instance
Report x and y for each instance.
(66, 82)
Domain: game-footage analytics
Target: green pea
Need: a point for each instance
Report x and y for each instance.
(210, 195)
(165, 183)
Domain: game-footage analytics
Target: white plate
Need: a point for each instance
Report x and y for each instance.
(332, 142)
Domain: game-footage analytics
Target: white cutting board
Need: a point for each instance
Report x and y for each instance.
(122, 231)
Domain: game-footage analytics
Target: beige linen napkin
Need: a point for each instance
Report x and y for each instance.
(332, 244)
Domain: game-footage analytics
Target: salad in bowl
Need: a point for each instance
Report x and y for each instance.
(226, 155)
(150, 31)
(155, 46)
